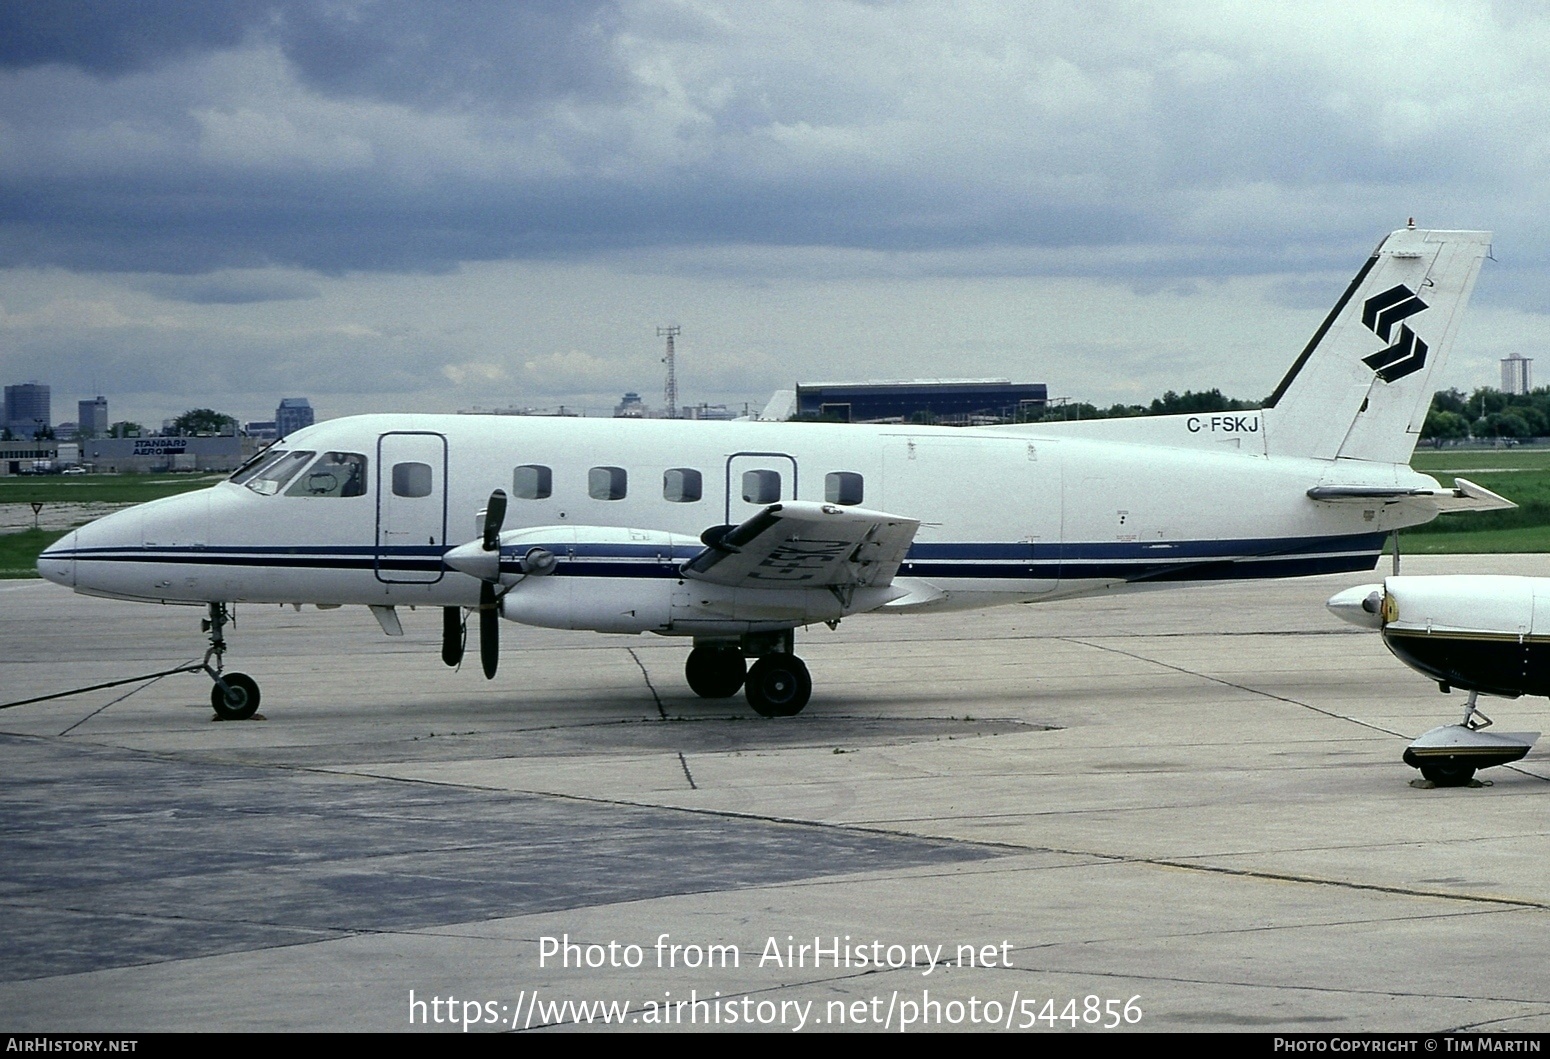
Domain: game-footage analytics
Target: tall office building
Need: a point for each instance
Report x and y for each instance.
(1517, 374)
(293, 414)
(27, 409)
(91, 417)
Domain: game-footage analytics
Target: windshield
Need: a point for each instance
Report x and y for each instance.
(259, 460)
(269, 477)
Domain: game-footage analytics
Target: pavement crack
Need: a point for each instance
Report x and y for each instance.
(649, 685)
(1232, 684)
(692, 785)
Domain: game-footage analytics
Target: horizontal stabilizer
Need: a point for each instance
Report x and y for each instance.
(1464, 496)
(801, 544)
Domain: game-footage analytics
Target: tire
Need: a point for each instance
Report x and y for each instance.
(778, 686)
(240, 699)
(1448, 773)
(715, 672)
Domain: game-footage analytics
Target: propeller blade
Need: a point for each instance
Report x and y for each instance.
(494, 517)
(452, 632)
(489, 629)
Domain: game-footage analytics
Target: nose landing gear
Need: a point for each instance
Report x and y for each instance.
(1448, 756)
(235, 695)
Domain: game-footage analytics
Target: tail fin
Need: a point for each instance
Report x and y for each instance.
(1362, 388)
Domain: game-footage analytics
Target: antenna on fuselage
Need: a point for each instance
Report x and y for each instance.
(670, 395)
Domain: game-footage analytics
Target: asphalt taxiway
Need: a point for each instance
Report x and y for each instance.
(1177, 810)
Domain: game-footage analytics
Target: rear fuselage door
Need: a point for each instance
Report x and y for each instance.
(755, 480)
(411, 506)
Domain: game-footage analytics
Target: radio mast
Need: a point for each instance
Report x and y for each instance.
(671, 394)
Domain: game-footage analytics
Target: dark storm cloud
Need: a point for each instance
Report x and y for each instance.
(228, 289)
(466, 54)
(361, 135)
(400, 50)
(177, 225)
(113, 39)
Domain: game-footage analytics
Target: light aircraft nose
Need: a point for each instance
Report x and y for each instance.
(57, 562)
(1362, 606)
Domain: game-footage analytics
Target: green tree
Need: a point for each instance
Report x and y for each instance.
(202, 421)
(125, 429)
(1444, 426)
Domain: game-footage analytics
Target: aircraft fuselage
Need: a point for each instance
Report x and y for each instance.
(1006, 515)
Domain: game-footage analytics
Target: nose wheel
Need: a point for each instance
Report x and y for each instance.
(234, 696)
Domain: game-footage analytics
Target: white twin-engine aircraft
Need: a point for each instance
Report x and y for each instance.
(736, 534)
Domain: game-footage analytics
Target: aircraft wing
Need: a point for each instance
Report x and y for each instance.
(1464, 496)
(800, 544)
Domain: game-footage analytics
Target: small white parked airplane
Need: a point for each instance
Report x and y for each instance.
(736, 534)
(1486, 634)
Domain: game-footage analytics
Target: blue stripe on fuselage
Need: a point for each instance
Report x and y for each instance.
(1077, 561)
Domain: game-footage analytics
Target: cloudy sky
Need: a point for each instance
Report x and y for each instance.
(394, 205)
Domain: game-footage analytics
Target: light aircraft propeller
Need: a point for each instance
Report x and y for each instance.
(483, 562)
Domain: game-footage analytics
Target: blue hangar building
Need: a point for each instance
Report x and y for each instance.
(952, 401)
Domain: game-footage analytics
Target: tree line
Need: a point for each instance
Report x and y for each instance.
(1486, 413)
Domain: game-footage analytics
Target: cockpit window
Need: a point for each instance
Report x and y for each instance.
(255, 463)
(271, 477)
(334, 474)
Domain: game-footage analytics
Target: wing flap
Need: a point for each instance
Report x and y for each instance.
(800, 544)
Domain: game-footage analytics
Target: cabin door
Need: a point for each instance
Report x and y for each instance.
(411, 507)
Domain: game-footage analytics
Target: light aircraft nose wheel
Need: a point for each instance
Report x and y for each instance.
(715, 672)
(238, 700)
(778, 686)
(1450, 773)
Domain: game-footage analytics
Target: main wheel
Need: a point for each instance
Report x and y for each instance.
(715, 672)
(240, 699)
(1448, 773)
(778, 686)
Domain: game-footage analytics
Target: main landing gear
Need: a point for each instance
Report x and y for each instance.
(235, 695)
(776, 685)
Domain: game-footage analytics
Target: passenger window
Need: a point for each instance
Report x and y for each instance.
(682, 485)
(842, 487)
(761, 487)
(334, 474)
(606, 483)
(271, 477)
(411, 479)
(532, 481)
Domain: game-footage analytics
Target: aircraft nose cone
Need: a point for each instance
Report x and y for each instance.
(57, 562)
(1362, 606)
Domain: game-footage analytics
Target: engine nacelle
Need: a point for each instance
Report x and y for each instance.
(623, 580)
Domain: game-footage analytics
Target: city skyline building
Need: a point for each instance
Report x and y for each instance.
(91, 417)
(27, 409)
(1517, 374)
(293, 414)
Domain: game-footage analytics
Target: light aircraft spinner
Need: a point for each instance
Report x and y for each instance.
(736, 534)
(1485, 634)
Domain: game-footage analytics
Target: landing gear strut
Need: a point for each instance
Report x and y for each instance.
(235, 695)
